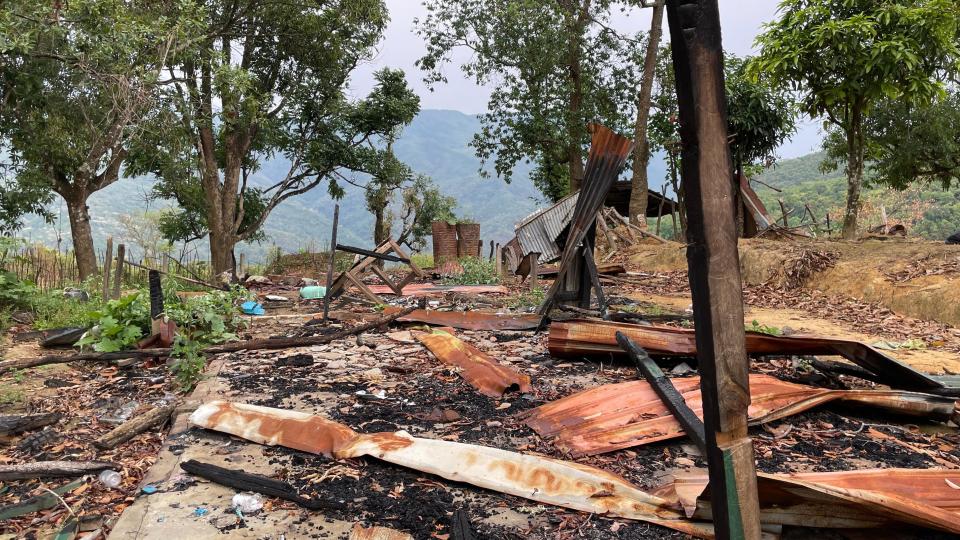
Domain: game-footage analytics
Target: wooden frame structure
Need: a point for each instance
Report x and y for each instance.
(366, 263)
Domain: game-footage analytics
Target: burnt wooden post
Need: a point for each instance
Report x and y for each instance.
(118, 277)
(498, 260)
(333, 261)
(713, 265)
(534, 259)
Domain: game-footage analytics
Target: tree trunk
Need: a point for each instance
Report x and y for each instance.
(221, 250)
(641, 152)
(854, 173)
(381, 229)
(575, 127)
(81, 233)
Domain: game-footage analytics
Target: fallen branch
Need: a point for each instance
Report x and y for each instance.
(250, 345)
(40, 469)
(840, 368)
(134, 427)
(12, 425)
(253, 482)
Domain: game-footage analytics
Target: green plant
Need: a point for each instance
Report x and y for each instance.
(755, 326)
(476, 271)
(15, 293)
(527, 299)
(118, 325)
(422, 260)
(189, 360)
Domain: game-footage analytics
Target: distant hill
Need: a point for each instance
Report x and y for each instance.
(927, 211)
(435, 144)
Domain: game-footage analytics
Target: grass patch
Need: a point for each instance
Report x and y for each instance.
(755, 326)
(476, 271)
(527, 299)
(422, 260)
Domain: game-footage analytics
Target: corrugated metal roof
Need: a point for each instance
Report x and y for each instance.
(538, 232)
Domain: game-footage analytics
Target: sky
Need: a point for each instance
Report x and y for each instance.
(740, 20)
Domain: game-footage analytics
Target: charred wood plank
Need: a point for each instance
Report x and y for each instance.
(245, 481)
(460, 528)
(42, 469)
(668, 393)
(374, 254)
(15, 424)
(133, 427)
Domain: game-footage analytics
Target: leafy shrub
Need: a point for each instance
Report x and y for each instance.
(476, 271)
(118, 325)
(755, 326)
(14, 293)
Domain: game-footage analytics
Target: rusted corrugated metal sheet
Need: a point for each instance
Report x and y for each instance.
(431, 289)
(481, 371)
(753, 203)
(549, 481)
(538, 232)
(853, 499)
(608, 155)
(587, 338)
(623, 415)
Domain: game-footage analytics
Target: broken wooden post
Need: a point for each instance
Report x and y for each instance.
(243, 264)
(491, 251)
(107, 260)
(118, 277)
(42, 469)
(133, 427)
(691, 423)
(498, 254)
(713, 265)
(330, 267)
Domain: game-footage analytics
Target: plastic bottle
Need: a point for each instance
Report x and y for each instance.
(109, 478)
(247, 502)
(313, 292)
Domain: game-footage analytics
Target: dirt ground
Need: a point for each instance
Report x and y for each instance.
(341, 380)
(914, 278)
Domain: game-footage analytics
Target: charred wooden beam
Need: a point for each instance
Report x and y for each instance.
(133, 427)
(245, 481)
(374, 254)
(20, 423)
(691, 423)
(714, 269)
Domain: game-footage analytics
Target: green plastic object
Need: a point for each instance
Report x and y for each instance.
(313, 292)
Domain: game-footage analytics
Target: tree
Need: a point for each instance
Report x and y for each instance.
(19, 199)
(641, 152)
(76, 79)
(664, 128)
(391, 175)
(843, 56)
(909, 143)
(269, 84)
(422, 204)
(554, 66)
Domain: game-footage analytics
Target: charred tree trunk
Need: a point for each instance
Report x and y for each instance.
(641, 152)
(714, 269)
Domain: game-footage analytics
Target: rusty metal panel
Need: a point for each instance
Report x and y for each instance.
(852, 499)
(549, 481)
(481, 371)
(623, 415)
(432, 289)
(538, 232)
(586, 338)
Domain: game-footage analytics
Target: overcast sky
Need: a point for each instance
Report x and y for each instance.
(741, 21)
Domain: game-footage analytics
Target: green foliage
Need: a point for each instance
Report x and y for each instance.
(527, 299)
(422, 204)
(422, 260)
(909, 143)
(755, 326)
(554, 67)
(269, 83)
(476, 271)
(844, 56)
(760, 116)
(15, 293)
(203, 321)
(119, 325)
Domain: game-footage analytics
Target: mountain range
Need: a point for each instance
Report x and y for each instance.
(436, 144)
